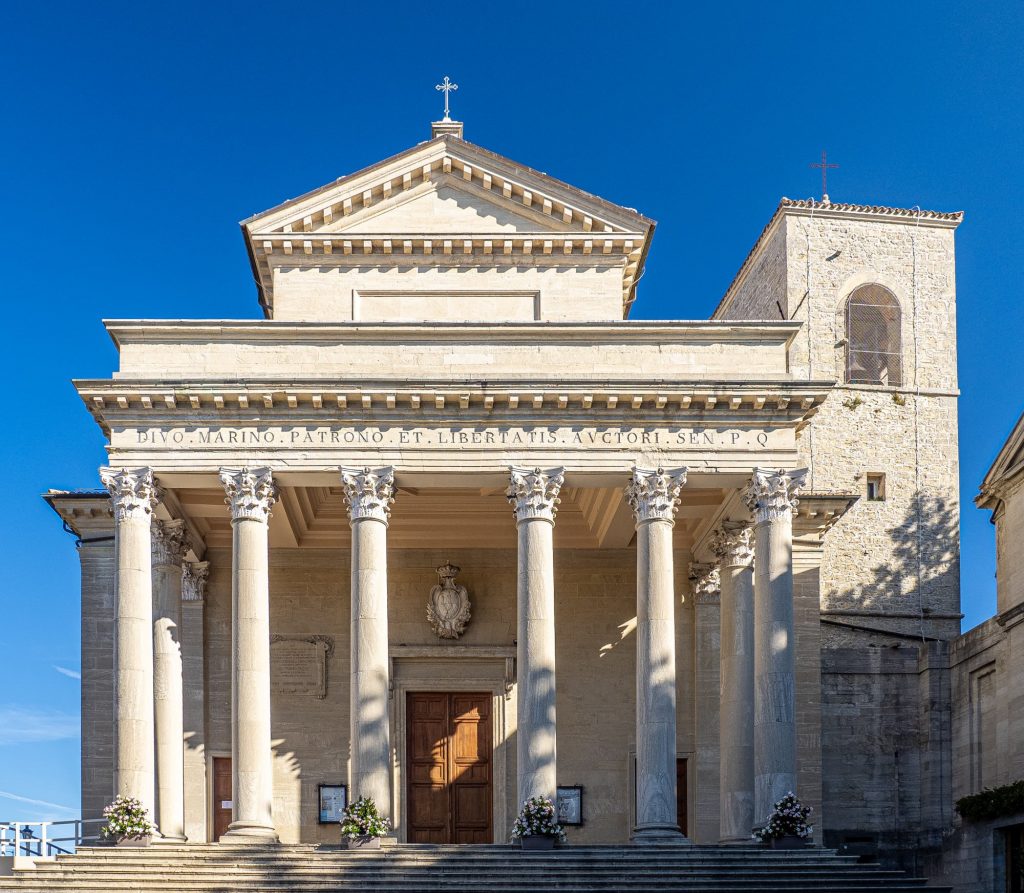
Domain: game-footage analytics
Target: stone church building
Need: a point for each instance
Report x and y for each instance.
(444, 525)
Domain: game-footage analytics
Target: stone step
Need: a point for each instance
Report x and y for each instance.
(449, 869)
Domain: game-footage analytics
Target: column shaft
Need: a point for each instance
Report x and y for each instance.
(772, 497)
(134, 496)
(656, 805)
(370, 733)
(736, 718)
(193, 657)
(251, 494)
(654, 496)
(533, 494)
(168, 552)
(369, 494)
(535, 653)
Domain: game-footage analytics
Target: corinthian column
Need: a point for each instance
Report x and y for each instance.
(369, 494)
(733, 545)
(134, 496)
(170, 544)
(534, 496)
(251, 494)
(706, 586)
(771, 496)
(193, 594)
(654, 496)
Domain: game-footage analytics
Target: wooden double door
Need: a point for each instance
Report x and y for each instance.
(449, 757)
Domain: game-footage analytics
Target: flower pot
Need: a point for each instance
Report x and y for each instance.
(536, 843)
(133, 843)
(788, 842)
(363, 842)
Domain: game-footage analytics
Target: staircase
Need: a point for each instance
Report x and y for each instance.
(450, 869)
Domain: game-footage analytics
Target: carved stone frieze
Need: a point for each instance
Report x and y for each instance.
(771, 493)
(654, 494)
(194, 575)
(533, 493)
(369, 492)
(170, 543)
(251, 492)
(133, 491)
(448, 608)
(733, 544)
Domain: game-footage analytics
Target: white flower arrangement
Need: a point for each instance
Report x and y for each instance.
(537, 818)
(363, 819)
(788, 819)
(127, 819)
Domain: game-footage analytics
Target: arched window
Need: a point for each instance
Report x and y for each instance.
(873, 342)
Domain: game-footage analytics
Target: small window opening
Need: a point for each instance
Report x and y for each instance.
(876, 487)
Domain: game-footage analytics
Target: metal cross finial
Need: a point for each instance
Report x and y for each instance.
(824, 165)
(447, 86)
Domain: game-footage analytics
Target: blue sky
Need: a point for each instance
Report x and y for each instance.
(135, 136)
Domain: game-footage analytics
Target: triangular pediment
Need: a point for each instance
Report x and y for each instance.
(446, 205)
(449, 185)
(453, 196)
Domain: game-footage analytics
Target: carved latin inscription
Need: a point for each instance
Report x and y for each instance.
(298, 664)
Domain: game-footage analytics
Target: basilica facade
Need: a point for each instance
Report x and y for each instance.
(446, 528)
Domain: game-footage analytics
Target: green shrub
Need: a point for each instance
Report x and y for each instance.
(992, 803)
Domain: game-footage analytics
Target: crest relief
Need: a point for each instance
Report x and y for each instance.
(448, 606)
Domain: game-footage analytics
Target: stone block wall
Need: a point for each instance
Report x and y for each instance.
(595, 647)
(98, 611)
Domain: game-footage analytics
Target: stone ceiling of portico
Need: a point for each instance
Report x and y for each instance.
(315, 517)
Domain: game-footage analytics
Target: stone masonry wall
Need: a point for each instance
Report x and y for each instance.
(595, 642)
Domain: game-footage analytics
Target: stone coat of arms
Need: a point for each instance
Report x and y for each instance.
(448, 605)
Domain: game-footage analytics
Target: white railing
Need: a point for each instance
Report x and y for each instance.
(40, 839)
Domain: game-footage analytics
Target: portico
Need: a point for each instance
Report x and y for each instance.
(454, 389)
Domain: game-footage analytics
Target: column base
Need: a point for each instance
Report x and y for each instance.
(165, 840)
(660, 835)
(249, 834)
(749, 840)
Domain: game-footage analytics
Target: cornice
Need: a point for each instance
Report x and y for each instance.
(789, 398)
(661, 332)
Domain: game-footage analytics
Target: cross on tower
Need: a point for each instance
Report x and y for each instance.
(824, 165)
(447, 86)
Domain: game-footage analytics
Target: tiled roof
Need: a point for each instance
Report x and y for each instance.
(872, 209)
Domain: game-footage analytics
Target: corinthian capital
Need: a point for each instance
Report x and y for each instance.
(369, 492)
(733, 544)
(654, 495)
(706, 583)
(251, 492)
(170, 543)
(771, 493)
(133, 491)
(534, 493)
(194, 575)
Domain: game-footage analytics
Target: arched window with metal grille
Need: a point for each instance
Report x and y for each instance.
(874, 346)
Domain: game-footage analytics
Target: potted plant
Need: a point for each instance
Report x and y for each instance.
(536, 826)
(362, 825)
(128, 823)
(787, 828)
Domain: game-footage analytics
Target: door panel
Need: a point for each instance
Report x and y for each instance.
(221, 795)
(449, 759)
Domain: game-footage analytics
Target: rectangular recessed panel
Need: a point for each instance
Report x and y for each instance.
(446, 306)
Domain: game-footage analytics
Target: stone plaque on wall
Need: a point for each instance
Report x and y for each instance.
(298, 664)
